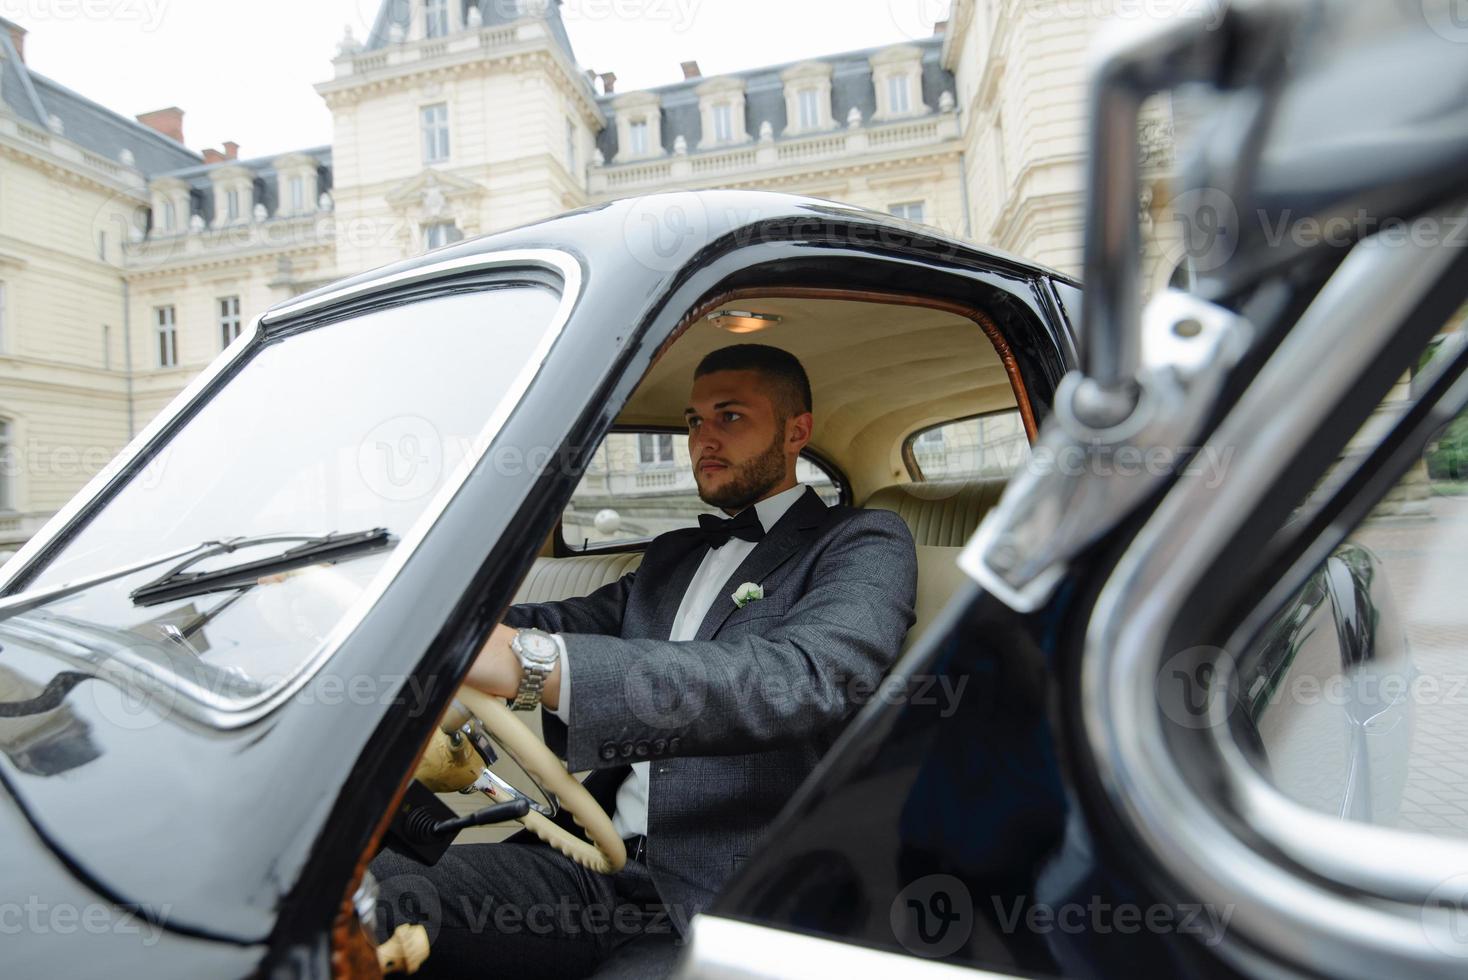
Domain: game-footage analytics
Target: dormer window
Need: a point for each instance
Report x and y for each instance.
(639, 126)
(807, 97)
(435, 18)
(232, 204)
(170, 216)
(722, 109)
(897, 77)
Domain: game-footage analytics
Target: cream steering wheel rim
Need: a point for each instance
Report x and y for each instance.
(606, 854)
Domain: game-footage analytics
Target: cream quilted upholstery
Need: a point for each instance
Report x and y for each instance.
(944, 514)
(554, 579)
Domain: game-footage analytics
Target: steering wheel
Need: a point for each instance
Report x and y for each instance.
(452, 764)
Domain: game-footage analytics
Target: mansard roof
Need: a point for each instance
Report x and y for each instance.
(493, 13)
(764, 98)
(265, 181)
(35, 98)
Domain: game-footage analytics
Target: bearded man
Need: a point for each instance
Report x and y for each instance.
(700, 689)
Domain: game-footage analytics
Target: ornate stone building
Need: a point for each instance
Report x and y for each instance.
(128, 261)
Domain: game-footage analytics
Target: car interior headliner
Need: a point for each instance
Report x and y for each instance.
(879, 372)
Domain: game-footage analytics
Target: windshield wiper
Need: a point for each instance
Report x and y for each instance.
(177, 583)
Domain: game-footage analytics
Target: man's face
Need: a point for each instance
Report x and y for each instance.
(739, 444)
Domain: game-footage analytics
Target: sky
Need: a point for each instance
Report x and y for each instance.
(244, 71)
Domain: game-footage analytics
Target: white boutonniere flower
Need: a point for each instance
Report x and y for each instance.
(747, 593)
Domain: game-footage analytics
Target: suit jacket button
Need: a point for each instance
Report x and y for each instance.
(626, 750)
(640, 750)
(674, 743)
(608, 751)
(659, 746)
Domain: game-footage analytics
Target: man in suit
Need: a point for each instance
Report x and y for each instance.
(699, 709)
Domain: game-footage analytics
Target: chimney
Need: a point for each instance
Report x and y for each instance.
(940, 28)
(17, 38)
(212, 155)
(168, 121)
(608, 82)
(691, 70)
(231, 150)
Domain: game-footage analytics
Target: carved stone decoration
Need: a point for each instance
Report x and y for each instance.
(260, 213)
(196, 223)
(349, 43)
(599, 158)
(475, 20)
(434, 201)
(54, 123)
(946, 102)
(766, 132)
(680, 146)
(853, 118)
(1157, 144)
(396, 34)
(126, 158)
(323, 203)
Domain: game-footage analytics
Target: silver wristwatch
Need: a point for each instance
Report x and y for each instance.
(538, 654)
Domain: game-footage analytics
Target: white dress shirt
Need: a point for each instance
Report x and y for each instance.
(631, 811)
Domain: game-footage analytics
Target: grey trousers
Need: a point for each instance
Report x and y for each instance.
(526, 911)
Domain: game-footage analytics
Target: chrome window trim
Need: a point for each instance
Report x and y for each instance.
(1281, 910)
(245, 712)
(728, 949)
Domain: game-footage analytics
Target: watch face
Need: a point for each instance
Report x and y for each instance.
(539, 648)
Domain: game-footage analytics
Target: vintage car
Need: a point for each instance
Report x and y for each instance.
(1157, 710)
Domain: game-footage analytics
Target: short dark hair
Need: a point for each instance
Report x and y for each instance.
(782, 368)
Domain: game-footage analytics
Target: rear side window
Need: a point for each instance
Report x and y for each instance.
(640, 484)
(992, 446)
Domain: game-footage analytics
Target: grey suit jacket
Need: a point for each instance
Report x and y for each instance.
(733, 720)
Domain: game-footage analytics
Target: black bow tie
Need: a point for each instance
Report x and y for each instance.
(745, 526)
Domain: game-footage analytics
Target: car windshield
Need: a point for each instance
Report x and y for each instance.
(358, 424)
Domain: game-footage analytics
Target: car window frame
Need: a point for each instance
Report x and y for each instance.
(909, 454)
(420, 283)
(561, 548)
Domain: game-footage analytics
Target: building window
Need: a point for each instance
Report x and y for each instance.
(298, 194)
(637, 136)
(232, 204)
(724, 123)
(229, 319)
(899, 94)
(441, 233)
(435, 18)
(571, 145)
(655, 447)
(436, 133)
(7, 465)
(170, 216)
(910, 211)
(810, 108)
(167, 330)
